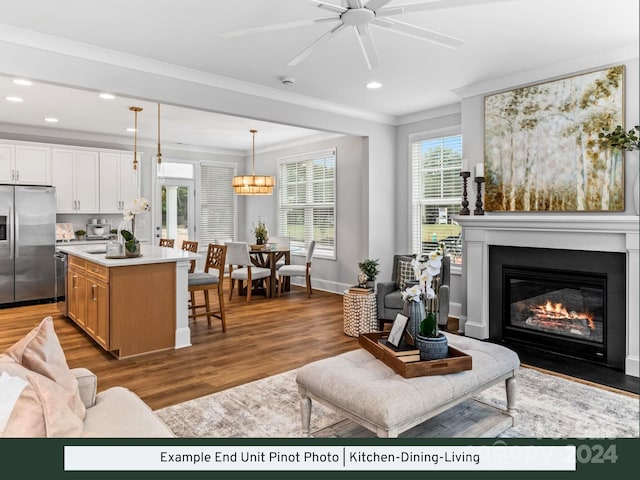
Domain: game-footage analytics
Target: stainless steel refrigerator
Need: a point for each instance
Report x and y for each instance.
(27, 244)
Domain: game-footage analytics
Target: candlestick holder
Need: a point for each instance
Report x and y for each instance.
(479, 210)
(465, 203)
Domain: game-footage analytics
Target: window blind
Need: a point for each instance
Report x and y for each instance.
(217, 202)
(436, 193)
(306, 201)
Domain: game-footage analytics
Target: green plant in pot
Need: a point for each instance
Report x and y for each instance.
(370, 268)
(620, 140)
(261, 232)
(80, 234)
(131, 244)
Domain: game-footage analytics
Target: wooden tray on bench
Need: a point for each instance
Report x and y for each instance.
(457, 361)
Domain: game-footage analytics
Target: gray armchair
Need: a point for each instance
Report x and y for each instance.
(389, 295)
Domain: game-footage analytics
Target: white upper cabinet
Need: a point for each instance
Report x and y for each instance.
(76, 178)
(117, 186)
(7, 163)
(24, 164)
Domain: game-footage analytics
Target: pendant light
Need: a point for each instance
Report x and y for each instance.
(253, 184)
(160, 165)
(136, 170)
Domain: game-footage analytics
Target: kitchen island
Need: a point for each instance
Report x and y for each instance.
(130, 306)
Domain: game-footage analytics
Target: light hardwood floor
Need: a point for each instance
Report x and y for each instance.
(263, 338)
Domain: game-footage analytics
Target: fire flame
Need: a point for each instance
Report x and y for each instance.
(558, 310)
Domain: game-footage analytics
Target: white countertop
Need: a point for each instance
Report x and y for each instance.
(150, 254)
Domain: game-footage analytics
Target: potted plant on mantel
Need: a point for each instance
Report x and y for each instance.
(621, 140)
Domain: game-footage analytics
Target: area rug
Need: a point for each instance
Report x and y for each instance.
(549, 407)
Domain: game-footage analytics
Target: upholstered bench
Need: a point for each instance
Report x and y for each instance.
(367, 391)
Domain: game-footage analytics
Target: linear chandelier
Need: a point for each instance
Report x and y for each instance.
(253, 184)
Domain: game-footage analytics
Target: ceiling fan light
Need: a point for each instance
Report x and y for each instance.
(374, 85)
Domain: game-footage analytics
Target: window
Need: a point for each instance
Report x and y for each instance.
(307, 201)
(436, 194)
(217, 202)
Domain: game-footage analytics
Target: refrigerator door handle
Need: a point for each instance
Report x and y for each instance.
(16, 237)
(10, 230)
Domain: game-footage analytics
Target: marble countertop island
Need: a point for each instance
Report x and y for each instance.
(149, 254)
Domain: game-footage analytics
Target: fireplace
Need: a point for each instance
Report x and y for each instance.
(567, 302)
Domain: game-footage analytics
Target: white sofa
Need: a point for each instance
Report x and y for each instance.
(117, 411)
(40, 396)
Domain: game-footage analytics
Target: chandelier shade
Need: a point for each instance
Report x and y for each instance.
(253, 184)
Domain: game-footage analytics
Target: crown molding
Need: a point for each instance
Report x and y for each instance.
(550, 72)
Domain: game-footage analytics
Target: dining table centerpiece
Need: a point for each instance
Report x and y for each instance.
(261, 232)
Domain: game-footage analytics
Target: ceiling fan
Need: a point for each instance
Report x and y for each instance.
(361, 15)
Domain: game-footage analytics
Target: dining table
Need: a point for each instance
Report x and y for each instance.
(268, 257)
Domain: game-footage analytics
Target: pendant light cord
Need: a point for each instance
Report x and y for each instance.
(159, 153)
(253, 153)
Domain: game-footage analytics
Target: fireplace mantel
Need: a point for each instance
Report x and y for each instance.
(605, 233)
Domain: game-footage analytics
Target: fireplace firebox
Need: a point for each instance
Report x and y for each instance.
(567, 302)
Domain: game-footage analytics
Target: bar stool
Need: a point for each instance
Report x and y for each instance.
(210, 279)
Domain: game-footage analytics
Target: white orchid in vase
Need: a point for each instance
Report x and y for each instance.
(425, 269)
(133, 208)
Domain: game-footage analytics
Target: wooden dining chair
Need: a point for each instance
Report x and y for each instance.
(211, 279)
(298, 270)
(167, 242)
(241, 268)
(190, 246)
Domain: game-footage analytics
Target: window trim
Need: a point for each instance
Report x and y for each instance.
(421, 137)
(309, 156)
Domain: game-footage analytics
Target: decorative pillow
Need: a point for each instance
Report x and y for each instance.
(40, 410)
(405, 273)
(10, 390)
(40, 352)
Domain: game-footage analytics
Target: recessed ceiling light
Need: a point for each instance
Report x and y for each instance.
(51, 119)
(22, 81)
(374, 85)
(107, 96)
(131, 129)
(14, 99)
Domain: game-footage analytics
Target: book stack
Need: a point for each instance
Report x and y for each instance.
(361, 290)
(406, 354)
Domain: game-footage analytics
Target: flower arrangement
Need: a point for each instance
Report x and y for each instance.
(425, 268)
(261, 232)
(133, 208)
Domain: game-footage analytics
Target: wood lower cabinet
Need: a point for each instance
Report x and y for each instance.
(127, 310)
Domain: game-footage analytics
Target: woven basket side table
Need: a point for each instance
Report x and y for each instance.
(360, 313)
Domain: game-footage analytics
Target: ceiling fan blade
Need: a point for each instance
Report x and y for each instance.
(422, 33)
(307, 51)
(437, 5)
(330, 6)
(376, 4)
(368, 47)
(278, 26)
(355, 3)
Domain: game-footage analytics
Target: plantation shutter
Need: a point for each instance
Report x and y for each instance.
(306, 201)
(217, 202)
(436, 193)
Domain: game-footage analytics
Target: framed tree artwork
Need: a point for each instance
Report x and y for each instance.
(542, 151)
